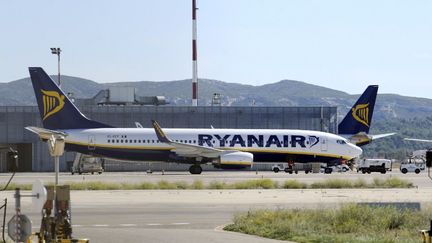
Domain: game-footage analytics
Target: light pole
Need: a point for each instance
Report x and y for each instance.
(56, 51)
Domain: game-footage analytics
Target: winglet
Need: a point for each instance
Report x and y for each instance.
(159, 133)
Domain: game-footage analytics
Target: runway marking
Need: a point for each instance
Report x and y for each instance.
(154, 224)
(128, 225)
(100, 225)
(77, 225)
(180, 223)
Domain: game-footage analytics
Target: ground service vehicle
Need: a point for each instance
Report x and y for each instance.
(410, 167)
(334, 168)
(296, 167)
(374, 165)
(87, 164)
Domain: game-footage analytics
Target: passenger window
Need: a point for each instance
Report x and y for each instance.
(117, 141)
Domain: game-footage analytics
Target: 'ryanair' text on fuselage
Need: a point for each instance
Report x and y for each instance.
(285, 141)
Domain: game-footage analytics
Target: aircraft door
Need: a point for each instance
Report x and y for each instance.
(91, 142)
(324, 145)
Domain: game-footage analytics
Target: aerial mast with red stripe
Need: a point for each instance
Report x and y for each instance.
(194, 56)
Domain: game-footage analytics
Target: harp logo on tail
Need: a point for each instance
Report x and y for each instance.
(52, 101)
(361, 113)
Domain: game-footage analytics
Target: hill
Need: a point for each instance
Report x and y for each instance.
(282, 93)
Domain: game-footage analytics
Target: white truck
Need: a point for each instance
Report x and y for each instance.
(296, 167)
(336, 168)
(374, 165)
(86, 164)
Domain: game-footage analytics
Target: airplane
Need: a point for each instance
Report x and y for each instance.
(224, 148)
(355, 125)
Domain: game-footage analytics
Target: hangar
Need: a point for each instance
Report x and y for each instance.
(34, 155)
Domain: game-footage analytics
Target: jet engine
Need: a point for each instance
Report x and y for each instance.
(235, 160)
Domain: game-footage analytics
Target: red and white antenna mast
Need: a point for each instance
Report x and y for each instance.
(194, 56)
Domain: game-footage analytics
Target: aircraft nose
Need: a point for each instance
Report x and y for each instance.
(356, 151)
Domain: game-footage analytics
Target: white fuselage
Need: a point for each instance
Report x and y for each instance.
(267, 145)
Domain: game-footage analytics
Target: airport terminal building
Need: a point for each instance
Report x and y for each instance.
(34, 154)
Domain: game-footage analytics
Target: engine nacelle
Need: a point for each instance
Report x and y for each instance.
(235, 160)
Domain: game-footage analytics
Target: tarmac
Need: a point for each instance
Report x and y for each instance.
(199, 215)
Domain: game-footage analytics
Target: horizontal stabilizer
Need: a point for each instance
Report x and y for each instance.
(378, 136)
(45, 133)
(418, 140)
(362, 138)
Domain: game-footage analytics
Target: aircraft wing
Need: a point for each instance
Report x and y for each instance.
(418, 140)
(45, 133)
(188, 150)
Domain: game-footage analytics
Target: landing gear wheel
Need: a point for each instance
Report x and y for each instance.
(276, 170)
(417, 171)
(195, 169)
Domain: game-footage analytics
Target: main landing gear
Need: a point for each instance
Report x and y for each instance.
(195, 169)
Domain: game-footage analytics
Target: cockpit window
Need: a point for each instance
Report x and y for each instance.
(341, 141)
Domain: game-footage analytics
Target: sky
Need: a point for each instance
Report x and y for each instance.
(344, 45)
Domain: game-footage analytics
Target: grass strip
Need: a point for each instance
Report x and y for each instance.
(248, 184)
(350, 223)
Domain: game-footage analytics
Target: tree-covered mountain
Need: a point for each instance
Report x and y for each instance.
(282, 93)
